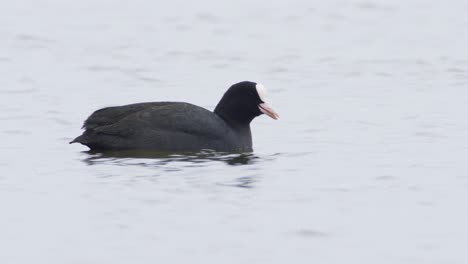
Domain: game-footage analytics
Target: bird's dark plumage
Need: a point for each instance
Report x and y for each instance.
(176, 126)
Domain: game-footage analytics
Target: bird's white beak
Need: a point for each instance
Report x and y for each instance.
(267, 110)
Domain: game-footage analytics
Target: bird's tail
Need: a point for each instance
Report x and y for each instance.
(76, 140)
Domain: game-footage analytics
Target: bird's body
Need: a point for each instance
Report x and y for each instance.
(163, 126)
(177, 126)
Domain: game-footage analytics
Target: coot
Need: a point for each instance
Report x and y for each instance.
(178, 126)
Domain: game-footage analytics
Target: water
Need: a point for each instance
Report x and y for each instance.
(367, 163)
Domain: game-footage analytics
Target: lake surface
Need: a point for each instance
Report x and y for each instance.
(367, 163)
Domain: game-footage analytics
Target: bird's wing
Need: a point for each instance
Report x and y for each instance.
(112, 115)
(156, 118)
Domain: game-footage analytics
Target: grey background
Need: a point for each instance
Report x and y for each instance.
(367, 163)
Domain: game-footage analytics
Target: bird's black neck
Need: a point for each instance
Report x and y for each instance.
(234, 117)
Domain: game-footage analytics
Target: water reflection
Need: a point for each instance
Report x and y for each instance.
(245, 182)
(158, 159)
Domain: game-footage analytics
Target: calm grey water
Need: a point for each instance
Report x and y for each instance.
(367, 163)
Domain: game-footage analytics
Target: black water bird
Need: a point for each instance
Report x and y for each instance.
(178, 126)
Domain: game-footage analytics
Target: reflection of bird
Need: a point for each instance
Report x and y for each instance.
(177, 126)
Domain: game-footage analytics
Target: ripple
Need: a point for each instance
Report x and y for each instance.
(311, 233)
(32, 38)
(162, 159)
(246, 182)
(18, 91)
(17, 117)
(207, 17)
(17, 132)
(386, 178)
(60, 121)
(428, 135)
